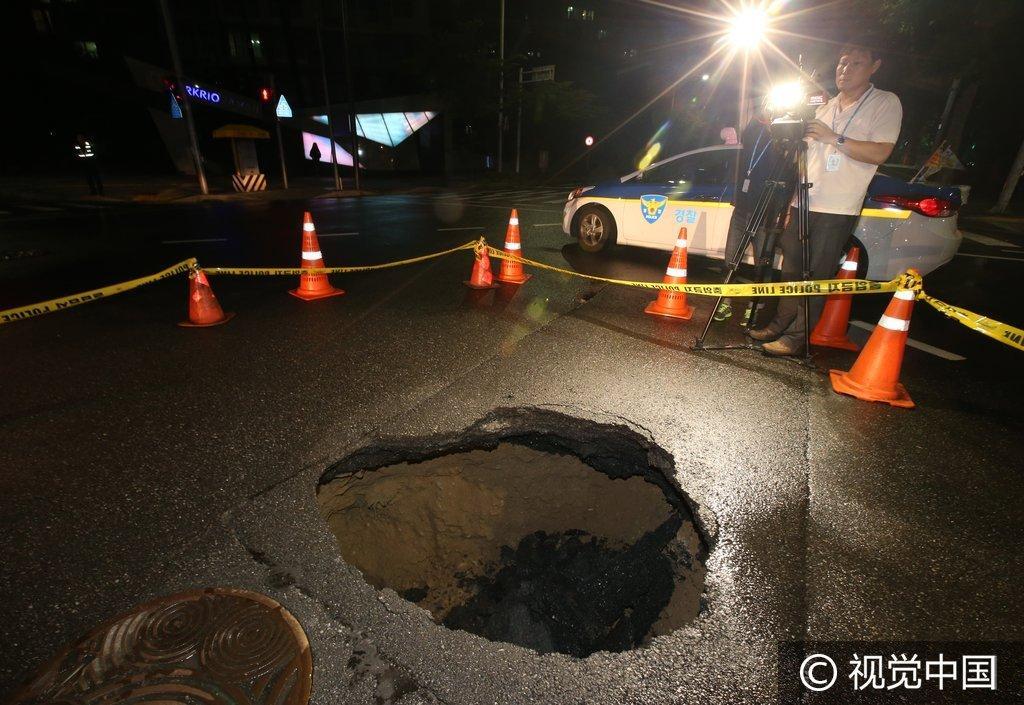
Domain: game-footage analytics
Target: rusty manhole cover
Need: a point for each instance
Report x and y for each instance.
(218, 645)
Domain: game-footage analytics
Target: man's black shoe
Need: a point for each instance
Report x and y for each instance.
(782, 348)
(763, 334)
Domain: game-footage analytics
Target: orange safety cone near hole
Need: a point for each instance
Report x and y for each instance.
(481, 277)
(512, 271)
(317, 285)
(835, 317)
(875, 374)
(203, 309)
(672, 304)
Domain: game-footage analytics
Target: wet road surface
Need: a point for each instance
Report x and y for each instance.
(140, 458)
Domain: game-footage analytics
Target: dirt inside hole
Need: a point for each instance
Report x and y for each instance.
(523, 546)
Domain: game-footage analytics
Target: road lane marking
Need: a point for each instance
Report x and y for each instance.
(336, 234)
(991, 241)
(183, 242)
(545, 225)
(924, 347)
(525, 208)
(42, 208)
(468, 227)
(971, 254)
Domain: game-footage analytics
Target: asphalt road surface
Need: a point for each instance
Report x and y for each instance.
(140, 458)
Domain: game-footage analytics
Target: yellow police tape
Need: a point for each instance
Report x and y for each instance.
(1014, 337)
(1002, 332)
(271, 271)
(820, 287)
(32, 310)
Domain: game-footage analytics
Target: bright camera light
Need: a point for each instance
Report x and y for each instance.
(746, 29)
(786, 96)
(705, 77)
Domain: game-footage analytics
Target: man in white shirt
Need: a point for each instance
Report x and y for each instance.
(850, 136)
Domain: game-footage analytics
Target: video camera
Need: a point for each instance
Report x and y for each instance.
(791, 106)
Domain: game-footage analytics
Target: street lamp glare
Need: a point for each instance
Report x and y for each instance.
(747, 28)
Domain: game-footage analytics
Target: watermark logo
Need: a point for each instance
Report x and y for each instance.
(901, 672)
(818, 672)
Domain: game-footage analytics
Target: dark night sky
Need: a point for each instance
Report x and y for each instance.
(621, 55)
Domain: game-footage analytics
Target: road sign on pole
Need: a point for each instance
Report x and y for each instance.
(283, 110)
(539, 73)
(534, 75)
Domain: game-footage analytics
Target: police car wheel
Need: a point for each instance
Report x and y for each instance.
(595, 229)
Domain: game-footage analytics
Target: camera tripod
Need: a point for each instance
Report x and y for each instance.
(768, 212)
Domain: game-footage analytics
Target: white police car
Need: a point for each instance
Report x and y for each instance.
(901, 225)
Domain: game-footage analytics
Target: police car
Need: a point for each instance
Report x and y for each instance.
(901, 225)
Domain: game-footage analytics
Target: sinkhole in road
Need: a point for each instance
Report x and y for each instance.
(533, 527)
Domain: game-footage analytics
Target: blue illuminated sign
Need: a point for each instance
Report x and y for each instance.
(197, 93)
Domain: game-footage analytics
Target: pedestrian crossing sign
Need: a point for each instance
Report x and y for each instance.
(283, 109)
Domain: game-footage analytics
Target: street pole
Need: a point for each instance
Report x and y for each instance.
(351, 96)
(327, 100)
(179, 77)
(280, 142)
(501, 81)
(519, 120)
(1010, 185)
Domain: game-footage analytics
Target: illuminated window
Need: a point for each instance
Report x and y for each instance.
(579, 13)
(257, 46)
(42, 20)
(87, 50)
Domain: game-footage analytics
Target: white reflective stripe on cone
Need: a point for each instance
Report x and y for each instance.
(680, 242)
(513, 246)
(850, 266)
(896, 324)
(905, 294)
(311, 256)
(675, 272)
(513, 221)
(308, 227)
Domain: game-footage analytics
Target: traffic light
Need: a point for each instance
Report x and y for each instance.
(266, 94)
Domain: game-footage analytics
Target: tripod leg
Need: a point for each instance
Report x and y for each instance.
(753, 224)
(805, 244)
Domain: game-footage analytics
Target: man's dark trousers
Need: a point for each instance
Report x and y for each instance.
(828, 234)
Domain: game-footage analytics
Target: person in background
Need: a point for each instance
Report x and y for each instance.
(757, 161)
(85, 155)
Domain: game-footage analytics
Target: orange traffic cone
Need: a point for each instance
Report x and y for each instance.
(481, 278)
(672, 304)
(312, 286)
(203, 309)
(876, 373)
(512, 272)
(835, 317)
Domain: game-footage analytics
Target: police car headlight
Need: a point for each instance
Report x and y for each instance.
(579, 191)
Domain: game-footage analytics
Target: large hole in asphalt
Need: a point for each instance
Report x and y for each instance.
(532, 527)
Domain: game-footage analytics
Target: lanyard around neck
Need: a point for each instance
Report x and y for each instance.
(860, 104)
(754, 162)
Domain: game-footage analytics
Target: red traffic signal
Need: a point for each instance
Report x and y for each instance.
(266, 94)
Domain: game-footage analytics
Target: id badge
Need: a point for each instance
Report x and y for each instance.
(746, 185)
(832, 162)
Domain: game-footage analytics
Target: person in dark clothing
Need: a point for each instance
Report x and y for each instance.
(757, 160)
(314, 152)
(85, 155)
